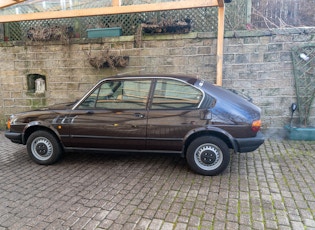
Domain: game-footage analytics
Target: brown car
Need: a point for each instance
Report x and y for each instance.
(173, 114)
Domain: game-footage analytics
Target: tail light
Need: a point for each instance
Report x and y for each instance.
(256, 125)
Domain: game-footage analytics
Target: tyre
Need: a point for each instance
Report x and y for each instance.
(208, 155)
(43, 148)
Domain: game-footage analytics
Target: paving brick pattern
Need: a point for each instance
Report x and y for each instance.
(271, 188)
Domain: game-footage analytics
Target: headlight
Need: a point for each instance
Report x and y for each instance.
(9, 124)
(11, 121)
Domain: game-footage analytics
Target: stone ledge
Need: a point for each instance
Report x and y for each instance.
(159, 37)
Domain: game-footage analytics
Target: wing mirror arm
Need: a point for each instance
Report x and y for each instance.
(206, 115)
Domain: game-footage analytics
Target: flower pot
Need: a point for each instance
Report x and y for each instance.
(300, 133)
(104, 32)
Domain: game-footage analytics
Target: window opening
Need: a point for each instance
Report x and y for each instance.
(36, 83)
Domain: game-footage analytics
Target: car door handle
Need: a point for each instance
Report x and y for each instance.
(90, 112)
(139, 115)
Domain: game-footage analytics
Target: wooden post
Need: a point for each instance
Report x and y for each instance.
(220, 41)
(115, 2)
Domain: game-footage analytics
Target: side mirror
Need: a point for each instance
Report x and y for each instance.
(206, 115)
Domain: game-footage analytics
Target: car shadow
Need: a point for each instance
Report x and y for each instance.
(125, 159)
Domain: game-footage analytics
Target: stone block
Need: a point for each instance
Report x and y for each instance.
(251, 40)
(195, 60)
(285, 56)
(154, 44)
(256, 58)
(229, 58)
(190, 50)
(271, 57)
(233, 49)
(176, 51)
(208, 42)
(175, 43)
(8, 102)
(25, 56)
(131, 52)
(22, 64)
(241, 58)
(248, 75)
(204, 50)
(275, 47)
(38, 63)
(72, 86)
(209, 60)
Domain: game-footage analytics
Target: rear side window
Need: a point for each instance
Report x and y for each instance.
(119, 94)
(172, 94)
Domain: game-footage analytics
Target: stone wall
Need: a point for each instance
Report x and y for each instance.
(256, 63)
(260, 65)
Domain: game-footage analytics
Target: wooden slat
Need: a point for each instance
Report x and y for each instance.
(220, 3)
(220, 45)
(115, 2)
(110, 10)
(7, 3)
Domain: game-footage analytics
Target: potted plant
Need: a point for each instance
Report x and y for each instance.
(104, 30)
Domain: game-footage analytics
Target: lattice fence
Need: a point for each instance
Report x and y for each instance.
(201, 19)
(304, 74)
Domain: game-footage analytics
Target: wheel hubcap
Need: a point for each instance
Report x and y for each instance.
(208, 156)
(42, 148)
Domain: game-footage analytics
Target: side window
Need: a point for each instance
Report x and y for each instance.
(172, 94)
(89, 102)
(120, 94)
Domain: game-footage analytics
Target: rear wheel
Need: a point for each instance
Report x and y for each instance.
(43, 148)
(208, 155)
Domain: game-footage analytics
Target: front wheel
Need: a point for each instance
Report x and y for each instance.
(208, 155)
(43, 148)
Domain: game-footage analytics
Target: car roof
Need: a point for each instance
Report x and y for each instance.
(186, 78)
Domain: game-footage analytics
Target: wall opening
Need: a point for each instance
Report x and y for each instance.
(36, 83)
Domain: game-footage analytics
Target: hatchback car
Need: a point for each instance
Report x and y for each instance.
(172, 114)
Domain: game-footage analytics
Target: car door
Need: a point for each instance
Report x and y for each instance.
(113, 116)
(174, 112)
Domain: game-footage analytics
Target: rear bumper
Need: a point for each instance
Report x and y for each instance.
(249, 144)
(14, 137)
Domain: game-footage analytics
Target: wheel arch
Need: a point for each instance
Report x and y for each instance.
(223, 135)
(33, 127)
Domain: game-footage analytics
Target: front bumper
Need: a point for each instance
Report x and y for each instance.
(14, 137)
(249, 144)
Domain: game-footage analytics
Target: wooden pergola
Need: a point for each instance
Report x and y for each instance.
(7, 3)
(117, 8)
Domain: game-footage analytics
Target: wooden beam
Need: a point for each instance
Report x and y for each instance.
(110, 10)
(220, 42)
(220, 3)
(116, 3)
(7, 3)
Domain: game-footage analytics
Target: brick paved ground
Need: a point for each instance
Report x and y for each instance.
(271, 188)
